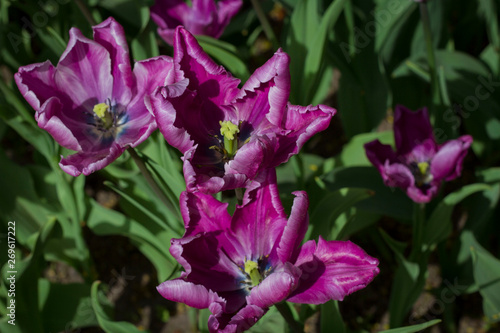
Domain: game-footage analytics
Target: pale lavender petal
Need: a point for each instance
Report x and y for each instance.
(84, 71)
(89, 162)
(295, 229)
(275, 288)
(411, 129)
(196, 296)
(111, 35)
(447, 163)
(331, 271)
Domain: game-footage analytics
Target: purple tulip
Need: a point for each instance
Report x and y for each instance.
(205, 17)
(419, 164)
(92, 101)
(239, 266)
(228, 135)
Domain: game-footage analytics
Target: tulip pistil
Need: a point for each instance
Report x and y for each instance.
(423, 167)
(104, 115)
(421, 172)
(253, 271)
(229, 131)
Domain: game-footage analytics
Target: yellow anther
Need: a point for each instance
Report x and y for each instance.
(228, 129)
(252, 269)
(101, 109)
(423, 166)
(250, 266)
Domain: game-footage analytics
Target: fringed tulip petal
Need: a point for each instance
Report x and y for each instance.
(334, 270)
(203, 17)
(237, 133)
(256, 260)
(188, 293)
(92, 102)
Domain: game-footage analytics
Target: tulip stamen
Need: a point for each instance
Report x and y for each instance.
(421, 172)
(229, 131)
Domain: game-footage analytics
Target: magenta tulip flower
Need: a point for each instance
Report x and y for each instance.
(228, 135)
(419, 164)
(240, 266)
(92, 101)
(204, 17)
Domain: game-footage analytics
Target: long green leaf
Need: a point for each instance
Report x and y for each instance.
(438, 227)
(27, 315)
(413, 328)
(226, 54)
(314, 58)
(487, 276)
(324, 217)
(101, 308)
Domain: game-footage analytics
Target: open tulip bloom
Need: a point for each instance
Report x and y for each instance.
(204, 17)
(228, 135)
(92, 101)
(239, 266)
(419, 164)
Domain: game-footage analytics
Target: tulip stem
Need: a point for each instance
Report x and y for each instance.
(268, 30)
(284, 310)
(149, 178)
(418, 231)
